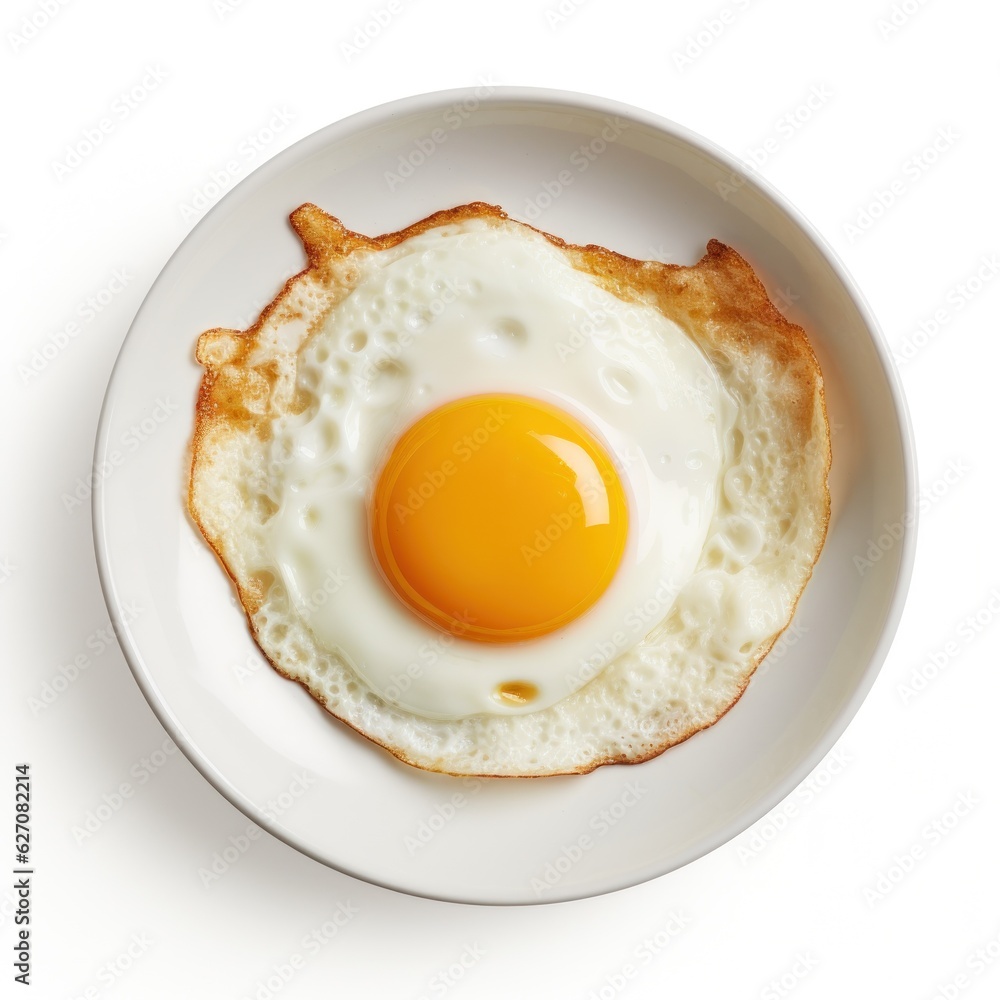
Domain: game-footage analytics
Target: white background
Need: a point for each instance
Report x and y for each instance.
(880, 878)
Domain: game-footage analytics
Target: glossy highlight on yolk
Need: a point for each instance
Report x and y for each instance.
(498, 518)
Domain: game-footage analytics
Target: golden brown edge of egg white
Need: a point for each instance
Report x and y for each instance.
(717, 301)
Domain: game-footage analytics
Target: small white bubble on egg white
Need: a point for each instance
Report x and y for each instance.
(503, 337)
(619, 384)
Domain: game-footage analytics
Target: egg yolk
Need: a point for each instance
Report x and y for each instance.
(498, 518)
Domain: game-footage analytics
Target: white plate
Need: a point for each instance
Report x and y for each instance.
(654, 190)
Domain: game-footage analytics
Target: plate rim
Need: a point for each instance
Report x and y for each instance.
(570, 101)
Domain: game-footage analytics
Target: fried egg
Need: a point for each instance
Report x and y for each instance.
(508, 506)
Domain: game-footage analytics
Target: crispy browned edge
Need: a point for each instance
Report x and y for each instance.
(718, 299)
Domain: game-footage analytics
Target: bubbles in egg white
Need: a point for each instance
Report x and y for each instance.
(459, 311)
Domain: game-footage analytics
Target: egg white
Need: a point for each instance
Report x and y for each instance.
(459, 311)
(256, 424)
